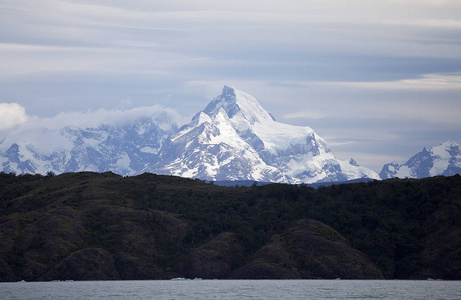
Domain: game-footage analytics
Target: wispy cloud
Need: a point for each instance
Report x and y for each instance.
(305, 115)
(427, 82)
(435, 113)
(95, 118)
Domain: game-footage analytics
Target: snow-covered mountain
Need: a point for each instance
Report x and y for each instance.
(124, 149)
(234, 138)
(444, 159)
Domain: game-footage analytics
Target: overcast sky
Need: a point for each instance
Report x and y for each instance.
(378, 80)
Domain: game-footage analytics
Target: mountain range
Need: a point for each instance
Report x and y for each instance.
(233, 138)
(124, 149)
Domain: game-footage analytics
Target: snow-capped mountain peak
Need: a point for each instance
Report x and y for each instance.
(251, 121)
(239, 106)
(444, 159)
(234, 131)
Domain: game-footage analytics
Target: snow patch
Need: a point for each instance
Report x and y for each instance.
(123, 162)
(148, 149)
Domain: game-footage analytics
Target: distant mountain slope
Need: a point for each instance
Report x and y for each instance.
(234, 138)
(444, 159)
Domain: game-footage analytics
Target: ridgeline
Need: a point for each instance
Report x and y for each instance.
(92, 226)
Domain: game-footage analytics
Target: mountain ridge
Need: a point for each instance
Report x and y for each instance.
(444, 159)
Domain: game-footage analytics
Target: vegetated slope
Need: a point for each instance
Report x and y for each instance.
(91, 226)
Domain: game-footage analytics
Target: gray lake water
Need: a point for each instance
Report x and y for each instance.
(234, 289)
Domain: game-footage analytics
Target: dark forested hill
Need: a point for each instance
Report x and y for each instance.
(90, 226)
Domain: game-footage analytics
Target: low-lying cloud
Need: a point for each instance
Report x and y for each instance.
(14, 120)
(95, 118)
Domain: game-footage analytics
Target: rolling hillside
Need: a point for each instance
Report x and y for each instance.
(102, 226)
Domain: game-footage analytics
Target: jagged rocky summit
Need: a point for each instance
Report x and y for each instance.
(233, 138)
(444, 159)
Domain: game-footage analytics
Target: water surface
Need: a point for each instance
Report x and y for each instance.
(234, 289)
